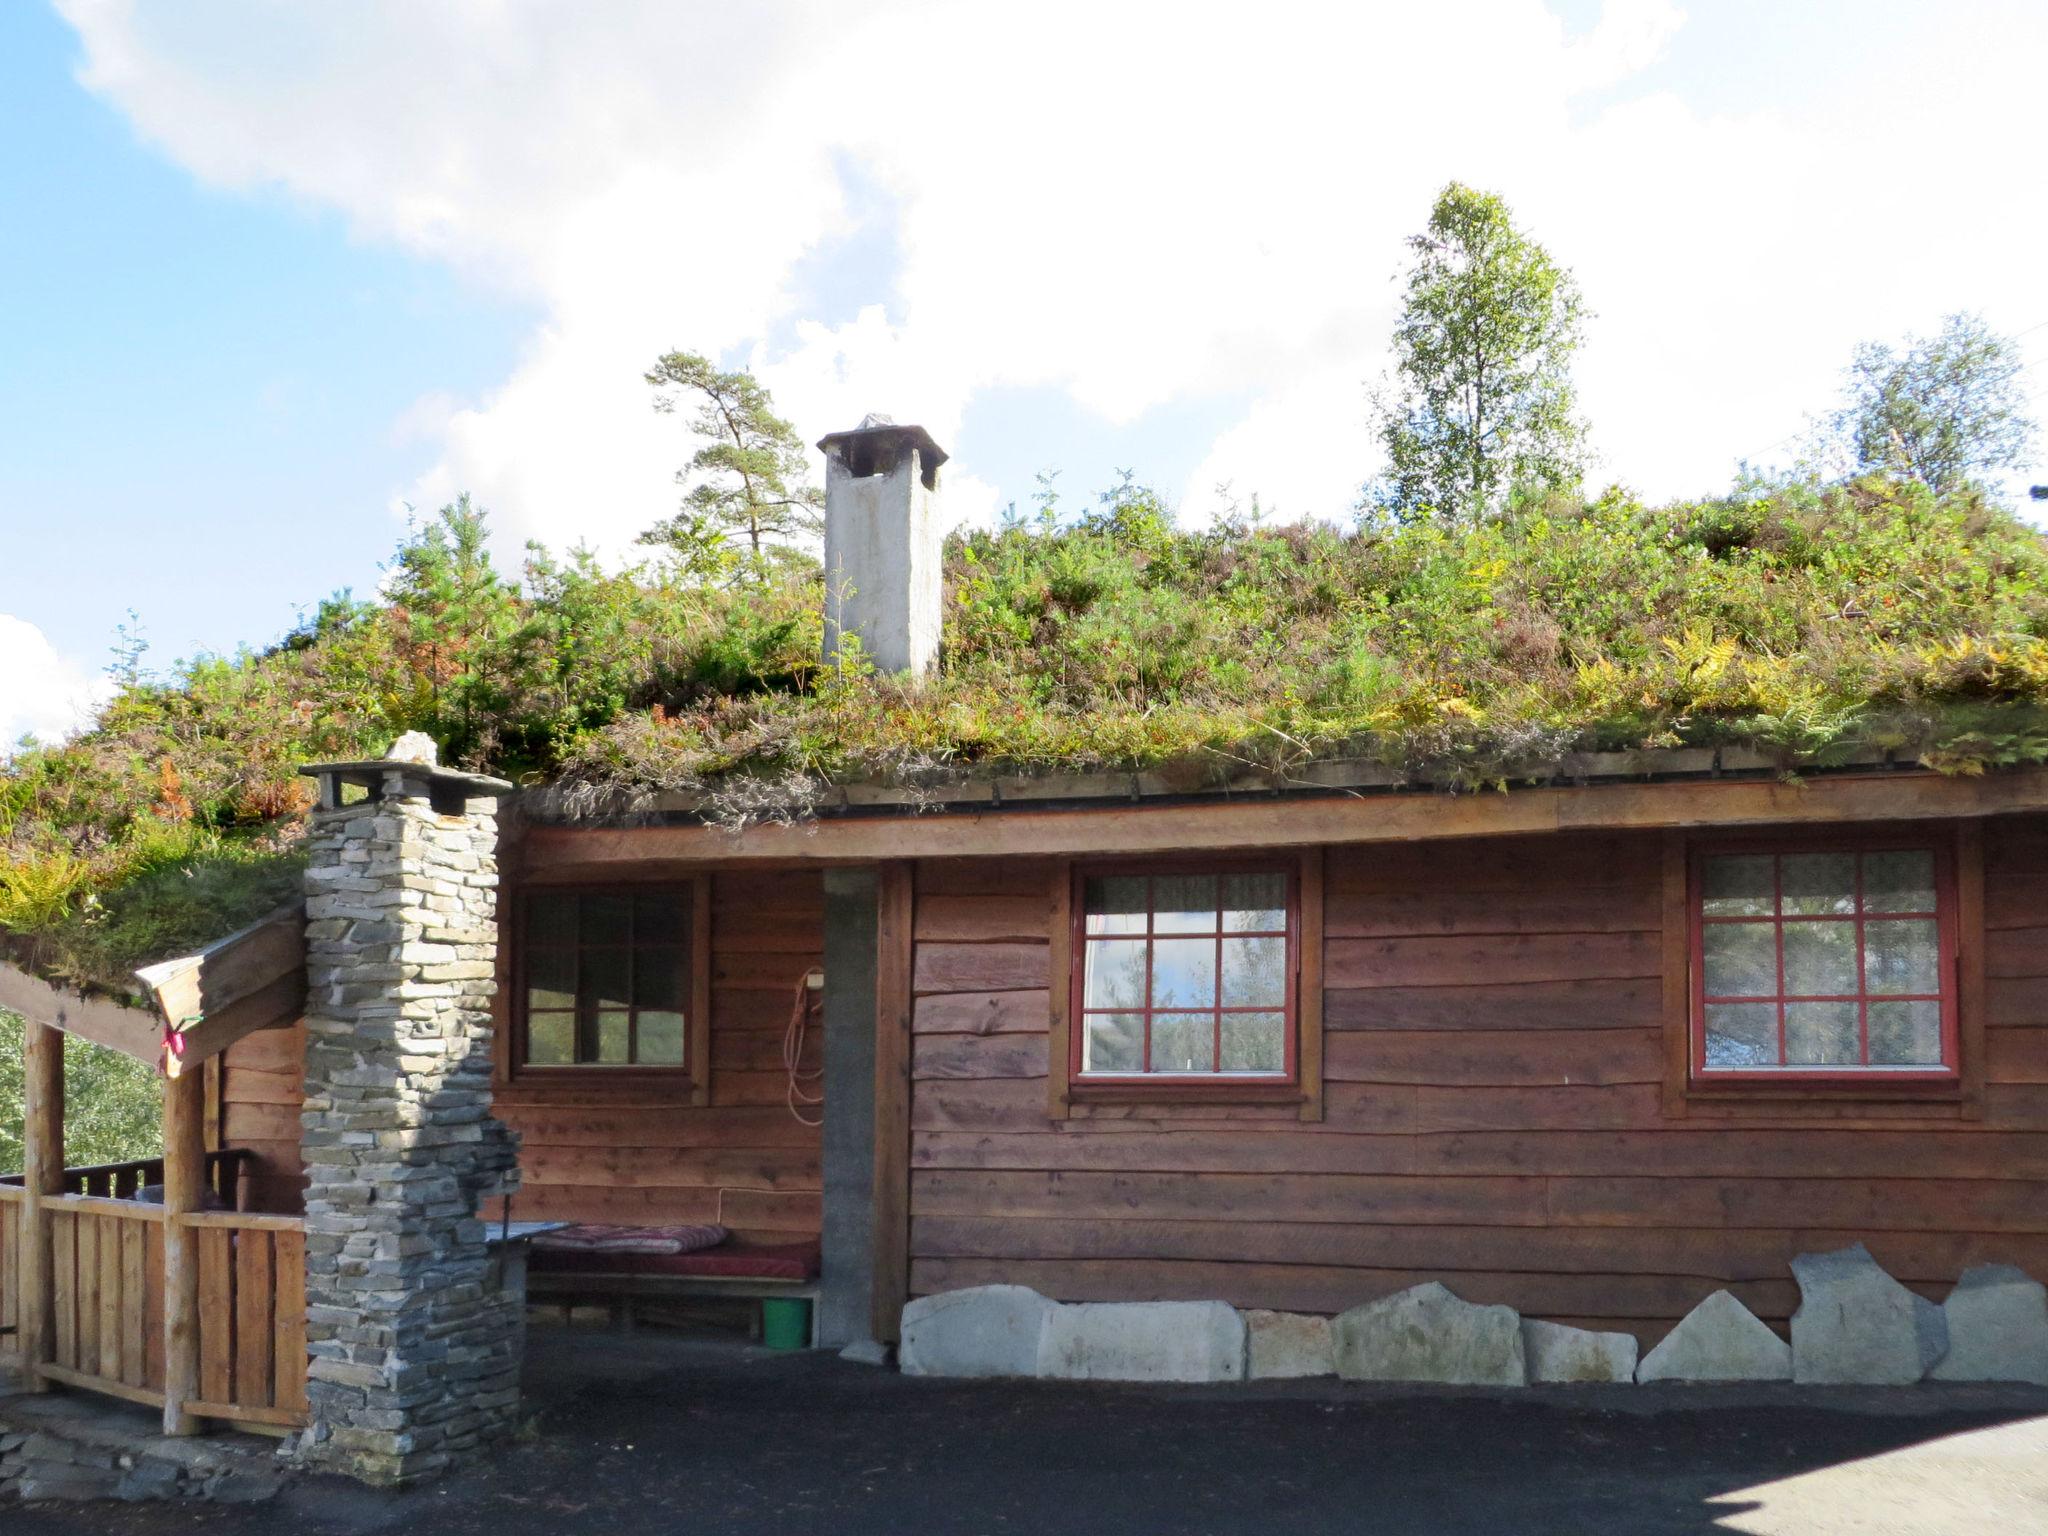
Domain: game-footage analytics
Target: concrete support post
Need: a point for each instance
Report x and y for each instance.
(42, 1176)
(895, 951)
(846, 1282)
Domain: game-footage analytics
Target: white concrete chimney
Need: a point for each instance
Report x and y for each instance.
(882, 543)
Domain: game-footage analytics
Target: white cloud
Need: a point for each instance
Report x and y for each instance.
(41, 692)
(1134, 202)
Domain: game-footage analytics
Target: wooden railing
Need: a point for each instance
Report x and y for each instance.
(11, 1201)
(111, 1320)
(252, 1317)
(120, 1181)
(106, 1295)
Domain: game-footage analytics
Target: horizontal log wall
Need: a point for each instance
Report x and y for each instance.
(262, 1085)
(1493, 1113)
(627, 1151)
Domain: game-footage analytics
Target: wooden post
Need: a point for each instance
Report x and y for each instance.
(184, 1193)
(893, 959)
(42, 1176)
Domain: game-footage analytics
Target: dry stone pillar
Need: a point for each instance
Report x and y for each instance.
(415, 1350)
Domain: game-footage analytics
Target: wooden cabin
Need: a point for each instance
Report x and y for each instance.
(1591, 1050)
(1639, 1028)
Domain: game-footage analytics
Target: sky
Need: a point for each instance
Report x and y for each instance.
(275, 278)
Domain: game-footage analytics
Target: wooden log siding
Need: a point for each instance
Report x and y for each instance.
(1493, 1111)
(262, 1083)
(639, 1151)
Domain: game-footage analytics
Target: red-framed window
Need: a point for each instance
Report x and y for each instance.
(604, 979)
(1185, 973)
(1824, 961)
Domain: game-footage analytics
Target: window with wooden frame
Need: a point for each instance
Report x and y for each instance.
(1185, 979)
(1825, 962)
(613, 980)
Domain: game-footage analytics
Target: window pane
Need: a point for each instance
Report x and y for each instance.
(1116, 904)
(661, 917)
(1738, 885)
(1183, 973)
(1184, 1042)
(1116, 974)
(1821, 1035)
(1902, 956)
(1820, 958)
(1254, 903)
(1254, 972)
(1819, 884)
(1115, 1042)
(1184, 904)
(550, 1039)
(1741, 959)
(607, 920)
(604, 976)
(1899, 882)
(551, 978)
(550, 918)
(1742, 1034)
(1905, 1034)
(658, 978)
(612, 1038)
(1254, 1042)
(661, 1038)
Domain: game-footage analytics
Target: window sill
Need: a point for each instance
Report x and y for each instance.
(671, 1079)
(1191, 1091)
(1826, 1089)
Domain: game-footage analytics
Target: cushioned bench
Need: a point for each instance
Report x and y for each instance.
(619, 1273)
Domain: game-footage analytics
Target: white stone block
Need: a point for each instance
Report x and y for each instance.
(1997, 1327)
(1557, 1353)
(1427, 1334)
(1718, 1340)
(1288, 1344)
(1857, 1325)
(1143, 1341)
(984, 1330)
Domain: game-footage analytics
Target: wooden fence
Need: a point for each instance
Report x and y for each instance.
(252, 1317)
(111, 1322)
(11, 1201)
(121, 1181)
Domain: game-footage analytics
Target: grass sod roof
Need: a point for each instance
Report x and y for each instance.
(1802, 624)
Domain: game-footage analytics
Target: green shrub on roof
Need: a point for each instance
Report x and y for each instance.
(1805, 620)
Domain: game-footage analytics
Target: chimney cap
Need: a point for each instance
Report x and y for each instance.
(880, 433)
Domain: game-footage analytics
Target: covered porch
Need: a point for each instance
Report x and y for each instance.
(152, 1280)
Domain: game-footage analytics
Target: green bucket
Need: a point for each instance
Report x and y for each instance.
(786, 1322)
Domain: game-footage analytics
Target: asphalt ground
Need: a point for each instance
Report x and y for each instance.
(656, 1432)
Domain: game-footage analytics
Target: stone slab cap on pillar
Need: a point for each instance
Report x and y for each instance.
(410, 769)
(883, 542)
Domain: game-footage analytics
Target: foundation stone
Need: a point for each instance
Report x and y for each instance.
(1427, 1334)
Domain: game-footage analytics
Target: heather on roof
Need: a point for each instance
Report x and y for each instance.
(1800, 620)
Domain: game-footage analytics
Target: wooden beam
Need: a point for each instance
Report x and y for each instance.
(253, 979)
(133, 1032)
(42, 1179)
(277, 1006)
(566, 853)
(1309, 987)
(1059, 994)
(895, 922)
(184, 1193)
